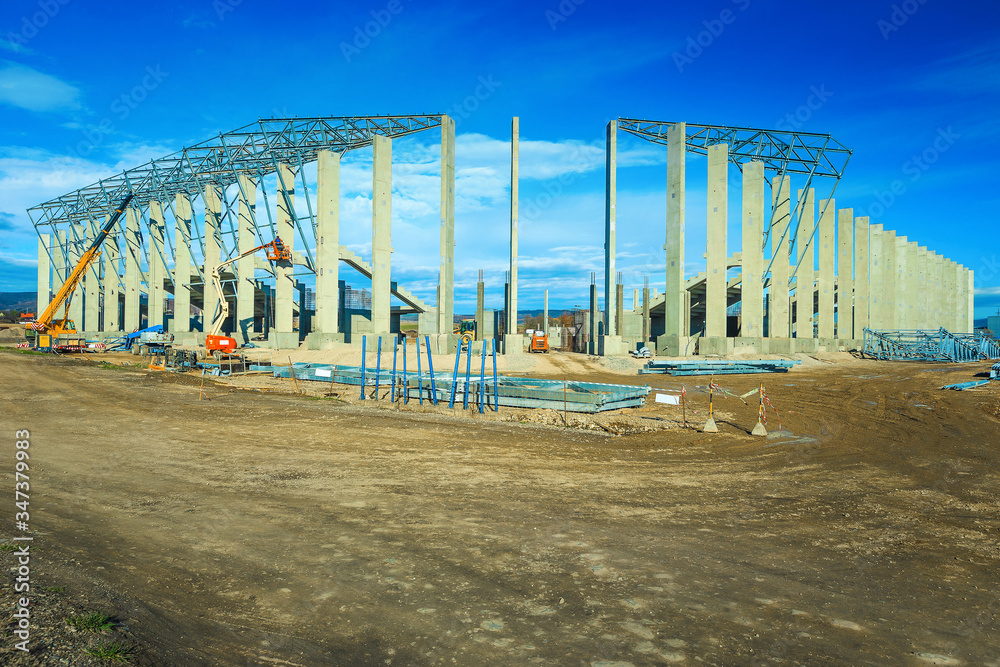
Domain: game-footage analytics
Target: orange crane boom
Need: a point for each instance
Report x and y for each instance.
(46, 321)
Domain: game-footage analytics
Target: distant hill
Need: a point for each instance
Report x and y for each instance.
(23, 301)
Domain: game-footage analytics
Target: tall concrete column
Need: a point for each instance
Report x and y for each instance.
(328, 246)
(92, 288)
(480, 307)
(889, 278)
(610, 200)
(901, 295)
(804, 301)
(751, 282)
(778, 319)
(381, 234)
(912, 286)
(845, 274)
(827, 253)
(620, 300)
(44, 275)
(675, 314)
(133, 251)
(111, 282)
(59, 261)
(213, 256)
(862, 269)
(716, 250)
(646, 328)
(182, 265)
(595, 318)
(446, 281)
(923, 304)
(246, 266)
(970, 293)
(939, 283)
(545, 313)
(514, 158)
(284, 281)
(74, 251)
(876, 278)
(157, 269)
(957, 276)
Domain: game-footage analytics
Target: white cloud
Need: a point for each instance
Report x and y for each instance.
(27, 88)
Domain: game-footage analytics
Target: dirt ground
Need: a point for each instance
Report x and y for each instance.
(265, 528)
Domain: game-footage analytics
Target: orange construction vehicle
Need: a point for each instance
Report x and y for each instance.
(539, 342)
(216, 344)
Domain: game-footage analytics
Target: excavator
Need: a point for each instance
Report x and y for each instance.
(59, 333)
(215, 343)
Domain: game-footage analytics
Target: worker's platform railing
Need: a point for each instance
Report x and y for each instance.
(929, 345)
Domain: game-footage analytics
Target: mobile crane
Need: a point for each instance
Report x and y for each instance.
(53, 333)
(216, 344)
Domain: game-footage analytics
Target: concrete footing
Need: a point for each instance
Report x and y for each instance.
(806, 345)
(610, 346)
(716, 345)
(323, 341)
(513, 344)
(781, 345)
(674, 346)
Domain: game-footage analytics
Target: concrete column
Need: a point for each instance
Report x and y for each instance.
(751, 283)
(74, 251)
(610, 200)
(381, 234)
(112, 315)
(716, 250)
(328, 246)
(970, 302)
(514, 157)
(133, 276)
(827, 253)
(595, 317)
(956, 312)
(889, 278)
(157, 269)
(182, 265)
(480, 307)
(446, 282)
(923, 320)
(246, 266)
(44, 275)
(675, 314)
(545, 313)
(845, 274)
(59, 272)
(912, 287)
(862, 284)
(620, 308)
(284, 282)
(876, 294)
(213, 255)
(778, 310)
(92, 287)
(805, 288)
(939, 290)
(901, 296)
(645, 316)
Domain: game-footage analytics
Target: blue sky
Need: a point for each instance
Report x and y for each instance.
(87, 89)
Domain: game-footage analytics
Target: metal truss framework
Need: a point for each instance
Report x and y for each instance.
(782, 152)
(929, 345)
(254, 150)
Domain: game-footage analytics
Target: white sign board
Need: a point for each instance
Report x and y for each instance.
(668, 399)
(324, 372)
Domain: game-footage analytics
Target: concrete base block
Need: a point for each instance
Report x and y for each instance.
(674, 346)
(780, 345)
(716, 345)
(284, 340)
(444, 343)
(181, 338)
(710, 426)
(608, 346)
(759, 430)
(807, 345)
(744, 345)
(828, 344)
(323, 341)
(853, 344)
(513, 344)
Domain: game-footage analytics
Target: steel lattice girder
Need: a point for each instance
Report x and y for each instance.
(255, 149)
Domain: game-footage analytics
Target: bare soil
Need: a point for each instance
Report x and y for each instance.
(267, 528)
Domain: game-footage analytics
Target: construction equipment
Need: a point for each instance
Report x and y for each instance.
(216, 344)
(467, 330)
(60, 334)
(539, 342)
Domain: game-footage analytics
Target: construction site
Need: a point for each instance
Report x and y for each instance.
(786, 458)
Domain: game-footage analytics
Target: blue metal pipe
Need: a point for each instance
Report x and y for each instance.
(496, 396)
(395, 349)
(468, 371)
(378, 366)
(482, 378)
(454, 376)
(363, 341)
(420, 376)
(430, 368)
(406, 380)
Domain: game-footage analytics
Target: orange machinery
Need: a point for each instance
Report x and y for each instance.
(539, 342)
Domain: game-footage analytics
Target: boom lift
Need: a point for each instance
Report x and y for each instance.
(215, 343)
(50, 329)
